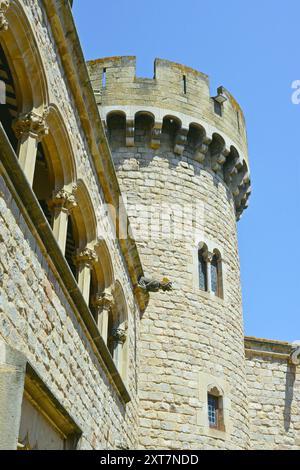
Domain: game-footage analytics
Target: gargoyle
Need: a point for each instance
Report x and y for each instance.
(152, 285)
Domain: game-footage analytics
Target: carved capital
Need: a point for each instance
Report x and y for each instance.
(31, 124)
(4, 5)
(119, 335)
(86, 257)
(64, 199)
(209, 256)
(104, 301)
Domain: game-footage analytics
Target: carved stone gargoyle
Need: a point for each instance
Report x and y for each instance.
(295, 354)
(152, 285)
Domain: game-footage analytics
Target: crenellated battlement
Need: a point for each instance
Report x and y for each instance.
(210, 130)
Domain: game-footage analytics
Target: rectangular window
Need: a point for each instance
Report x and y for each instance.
(184, 83)
(104, 78)
(213, 411)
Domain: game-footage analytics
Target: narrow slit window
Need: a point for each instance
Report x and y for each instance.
(104, 78)
(184, 83)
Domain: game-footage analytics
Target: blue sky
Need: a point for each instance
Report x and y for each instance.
(251, 48)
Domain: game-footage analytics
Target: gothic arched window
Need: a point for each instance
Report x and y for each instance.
(8, 99)
(202, 268)
(216, 274)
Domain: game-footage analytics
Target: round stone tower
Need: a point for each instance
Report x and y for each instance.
(181, 157)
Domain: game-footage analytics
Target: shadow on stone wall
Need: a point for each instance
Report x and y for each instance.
(289, 395)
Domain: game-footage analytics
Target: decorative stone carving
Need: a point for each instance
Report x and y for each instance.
(64, 199)
(119, 335)
(152, 285)
(103, 301)
(4, 5)
(295, 355)
(86, 257)
(31, 124)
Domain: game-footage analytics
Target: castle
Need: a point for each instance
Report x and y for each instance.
(121, 322)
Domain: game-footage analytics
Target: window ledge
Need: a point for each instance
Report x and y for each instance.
(210, 296)
(34, 215)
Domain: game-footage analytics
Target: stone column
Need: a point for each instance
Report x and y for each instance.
(4, 5)
(29, 128)
(209, 258)
(119, 336)
(12, 378)
(103, 304)
(85, 261)
(62, 205)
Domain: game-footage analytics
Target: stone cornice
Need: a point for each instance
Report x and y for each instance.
(268, 348)
(66, 37)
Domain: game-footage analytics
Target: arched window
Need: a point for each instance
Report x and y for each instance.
(42, 184)
(216, 274)
(117, 332)
(202, 268)
(71, 247)
(215, 408)
(8, 100)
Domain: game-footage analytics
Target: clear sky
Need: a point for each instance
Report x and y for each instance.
(252, 48)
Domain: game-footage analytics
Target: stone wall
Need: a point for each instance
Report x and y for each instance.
(273, 394)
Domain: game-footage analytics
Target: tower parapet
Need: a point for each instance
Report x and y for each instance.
(211, 129)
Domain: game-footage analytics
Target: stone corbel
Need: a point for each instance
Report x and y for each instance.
(238, 180)
(31, 124)
(243, 194)
(202, 149)
(181, 141)
(156, 135)
(4, 6)
(295, 354)
(218, 159)
(130, 132)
